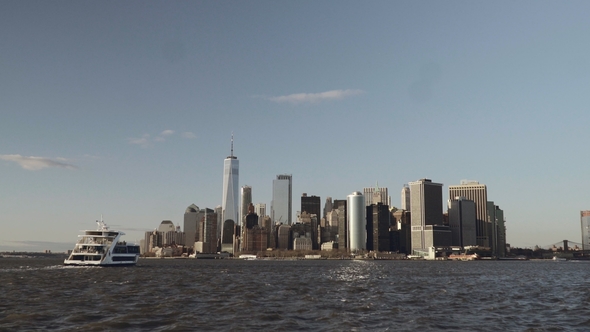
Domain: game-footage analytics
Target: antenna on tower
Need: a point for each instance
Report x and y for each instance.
(232, 143)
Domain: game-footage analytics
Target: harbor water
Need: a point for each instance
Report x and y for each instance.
(358, 295)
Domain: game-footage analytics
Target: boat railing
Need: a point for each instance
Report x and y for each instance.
(95, 241)
(89, 250)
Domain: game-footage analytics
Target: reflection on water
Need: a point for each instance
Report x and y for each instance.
(288, 295)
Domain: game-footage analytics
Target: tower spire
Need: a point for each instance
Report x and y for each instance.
(232, 144)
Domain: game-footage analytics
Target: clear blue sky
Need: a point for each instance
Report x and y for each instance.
(126, 108)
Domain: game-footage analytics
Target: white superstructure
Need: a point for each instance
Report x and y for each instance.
(102, 247)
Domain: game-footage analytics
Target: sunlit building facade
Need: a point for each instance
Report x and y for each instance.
(281, 206)
(231, 190)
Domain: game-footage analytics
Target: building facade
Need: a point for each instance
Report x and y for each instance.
(340, 207)
(462, 222)
(478, 193)
(260, 210)
(378, 219)
(585, 223)
(192, 216)
(281, 206)
(246, 200)
(376, 195)
(357, 232)
(230, 200)
(426, 211)
(405, 198)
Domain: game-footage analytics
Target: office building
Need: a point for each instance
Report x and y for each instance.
(462, 222)
(328, 206)
(478, 193)
(496, 230)
(230, 200)
(585, 223)
(500, 232)
(192, 217)
(281, 208)
(260, 210)
(376, 195)
(342, 219)
(378, 219)
(427, 217)
(357, 232)
(246, 195)
(405, 198)
(229, 205)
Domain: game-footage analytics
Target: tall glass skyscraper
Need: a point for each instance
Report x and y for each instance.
(281, 209)
(231, 189)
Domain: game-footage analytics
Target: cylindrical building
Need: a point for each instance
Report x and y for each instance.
(357, 228)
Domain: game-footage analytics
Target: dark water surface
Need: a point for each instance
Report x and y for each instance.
(190, 295)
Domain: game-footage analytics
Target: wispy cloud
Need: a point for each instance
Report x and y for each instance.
(188, 135)
(36, 163)
(298, 98)
(143, 141)
(163, 135)
(146, 140)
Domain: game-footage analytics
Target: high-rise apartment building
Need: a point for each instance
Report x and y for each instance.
(357, 232)
(426, 216)
(230, 201)
(376, 195)
(585, 223)
(246, 194)
(478, 193)
(281, 208)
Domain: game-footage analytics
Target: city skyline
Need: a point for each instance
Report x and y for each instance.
(125, 109)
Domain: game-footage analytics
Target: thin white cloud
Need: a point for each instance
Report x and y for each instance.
(162, 136)
(143, 141)
(315, 97)
(37, 163)
(188, 135)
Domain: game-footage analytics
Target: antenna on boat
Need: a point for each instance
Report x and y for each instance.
(101, 224)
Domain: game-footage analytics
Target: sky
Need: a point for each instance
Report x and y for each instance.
(126, 109)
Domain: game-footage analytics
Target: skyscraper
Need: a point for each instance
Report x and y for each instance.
(478, 193)
(357, 231)
(246, 201)
(426, 216)
(376, 195)
(405, 198)
(192, 217)
(260, 210)
(229, 203)
(311, 204)
(378, 219)
(585, 222)
(462, 221)
(328, 206)
(342, 212)
(281, 209)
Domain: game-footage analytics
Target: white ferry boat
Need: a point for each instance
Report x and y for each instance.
(103, 247)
